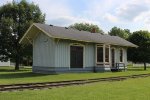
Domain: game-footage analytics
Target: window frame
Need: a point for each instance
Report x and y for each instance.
(104, 53)
(80, 45)
(121, 55)
(107, 47)
(97, 46)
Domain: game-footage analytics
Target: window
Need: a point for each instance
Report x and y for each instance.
(107, 54)
(121, 55)
(99, 54)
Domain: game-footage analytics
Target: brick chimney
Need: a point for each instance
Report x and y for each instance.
(93, 30)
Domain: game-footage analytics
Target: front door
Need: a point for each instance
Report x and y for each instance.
(76, 56)
(113, 57)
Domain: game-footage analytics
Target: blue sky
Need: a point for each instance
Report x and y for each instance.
(126, 14)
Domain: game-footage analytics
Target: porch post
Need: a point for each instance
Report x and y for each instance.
(104, 55)
(110, 56)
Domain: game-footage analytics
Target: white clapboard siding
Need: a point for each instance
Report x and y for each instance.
(5, 63)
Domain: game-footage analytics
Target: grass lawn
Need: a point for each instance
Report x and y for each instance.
(132, 89)
(9, 76)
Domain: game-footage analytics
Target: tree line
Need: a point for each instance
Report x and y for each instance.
(16, 17)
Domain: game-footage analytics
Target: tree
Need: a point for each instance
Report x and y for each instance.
(115, 31)
(15, 19)
(142, 53)
(87, 27)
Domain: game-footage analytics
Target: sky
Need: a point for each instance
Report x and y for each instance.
(126, 14)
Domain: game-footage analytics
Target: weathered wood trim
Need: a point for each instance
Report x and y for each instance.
(112, 48)
(122, 55)
(26, 33)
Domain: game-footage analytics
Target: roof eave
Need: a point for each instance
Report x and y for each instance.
(23, 37)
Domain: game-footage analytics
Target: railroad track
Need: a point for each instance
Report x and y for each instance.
(49, 85)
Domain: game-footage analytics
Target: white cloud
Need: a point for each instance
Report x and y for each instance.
(2, 2)
(132, 14)
(143, 17)
(110, 18)
(132, 9)
(97, 8)
(53, 8)
(68, 20)
(59, 13)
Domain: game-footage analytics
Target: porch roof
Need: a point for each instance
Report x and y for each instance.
(73, 34)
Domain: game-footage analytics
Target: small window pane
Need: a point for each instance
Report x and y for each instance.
(121, 55)
(99, 54)
(106, 54)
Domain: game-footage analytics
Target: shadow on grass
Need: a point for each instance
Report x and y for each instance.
(20, 75)
(10, 73)
(12, 70)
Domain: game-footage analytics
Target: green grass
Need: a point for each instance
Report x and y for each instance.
(132, 89)
(9, 76)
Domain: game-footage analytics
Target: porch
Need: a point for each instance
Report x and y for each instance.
(109, 56)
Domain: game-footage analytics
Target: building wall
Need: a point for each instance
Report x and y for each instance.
(90, 55)
(62, 53)
(53, 55)
(43, 51)
(5, 63)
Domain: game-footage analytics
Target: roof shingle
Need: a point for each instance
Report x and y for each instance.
(73, 34)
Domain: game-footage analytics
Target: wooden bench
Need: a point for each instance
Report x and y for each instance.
(118, 67)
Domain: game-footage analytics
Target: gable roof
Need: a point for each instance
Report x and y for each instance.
(73, 34)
